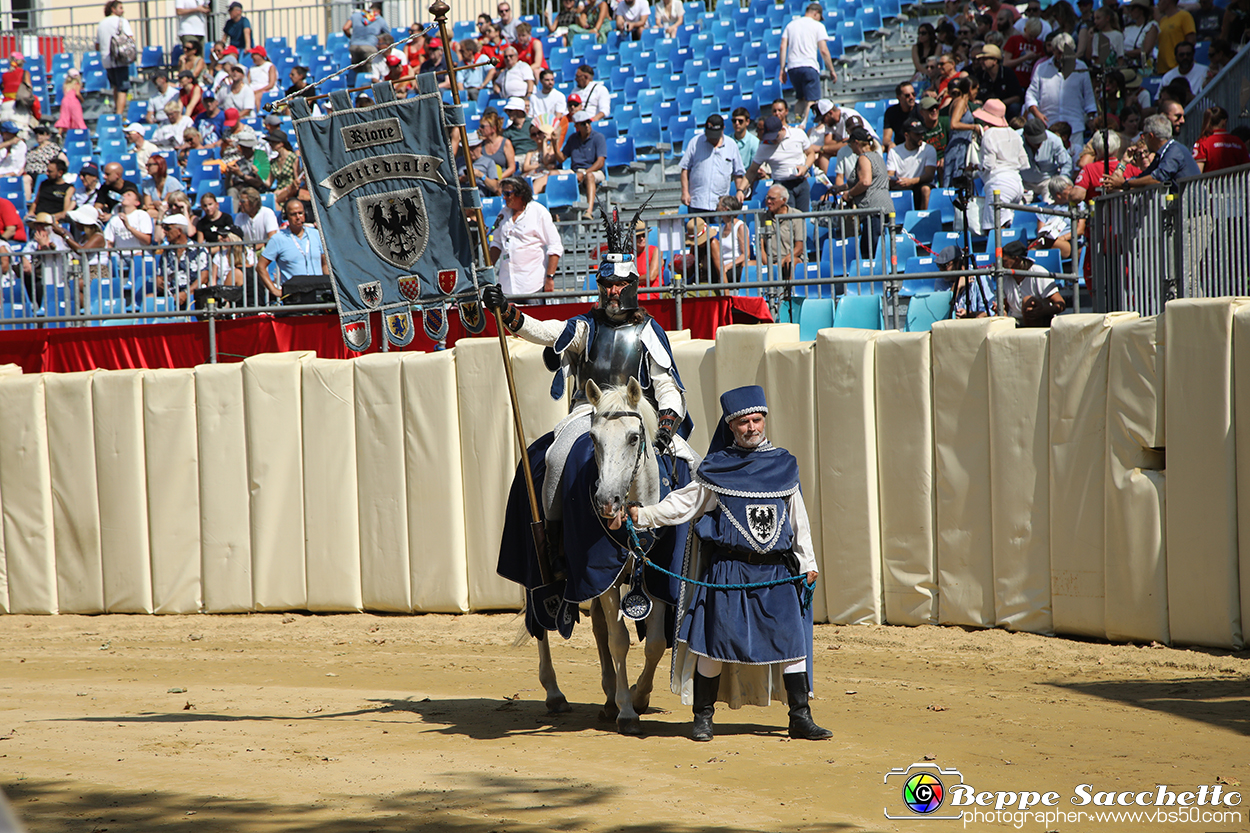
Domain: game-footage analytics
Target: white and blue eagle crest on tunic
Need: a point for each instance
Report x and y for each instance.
(390, 209)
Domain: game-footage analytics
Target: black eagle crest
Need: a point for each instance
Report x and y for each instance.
(398, 224)
(763, 521)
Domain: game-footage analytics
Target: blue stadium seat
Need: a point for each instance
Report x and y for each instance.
(869, 19)
(636, 85)
(904, 201)
(925, 308)
(838, 258)
(703, 108)
(920, 265)
(686, 33)
(722, 28)
(620, 153)
(667, 113)
(700, 44)
(152, 57)
(608, 128)
(816, 314)
(728, 97)
(1025, 221)
(616, 74)
(943, 239)
(562, 191)
(645, 132)
(859, 311)
(940, 200)
(852, 34)
(923, 224)
(648, 101)
(710, 81)
(686, 98)
(1049, 259)
(658, 73)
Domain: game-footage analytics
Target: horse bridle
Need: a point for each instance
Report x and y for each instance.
(643, 436)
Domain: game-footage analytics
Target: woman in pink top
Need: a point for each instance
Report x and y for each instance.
(70, 117)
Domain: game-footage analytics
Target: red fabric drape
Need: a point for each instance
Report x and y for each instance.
(68, 349)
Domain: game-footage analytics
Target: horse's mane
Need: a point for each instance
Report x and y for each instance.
(615, 399)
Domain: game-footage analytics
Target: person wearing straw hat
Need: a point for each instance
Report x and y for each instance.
(752, 522)
(1002, 159)
(701, 262)
(46, 261)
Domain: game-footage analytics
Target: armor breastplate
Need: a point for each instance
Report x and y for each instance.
(615, 354)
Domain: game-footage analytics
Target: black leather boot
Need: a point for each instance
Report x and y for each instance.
(801, 725)
(705, 690)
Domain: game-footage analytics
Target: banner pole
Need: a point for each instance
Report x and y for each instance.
(439, 10)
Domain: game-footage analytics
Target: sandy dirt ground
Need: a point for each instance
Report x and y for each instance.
(436, 723)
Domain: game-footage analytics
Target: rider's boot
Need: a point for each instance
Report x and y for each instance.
(705, 689)
(802, 727)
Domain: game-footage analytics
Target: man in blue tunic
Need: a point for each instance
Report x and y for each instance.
(754, 526)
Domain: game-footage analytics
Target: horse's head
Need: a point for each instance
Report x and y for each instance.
(621, 428)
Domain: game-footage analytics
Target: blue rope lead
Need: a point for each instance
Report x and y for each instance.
(809, 589)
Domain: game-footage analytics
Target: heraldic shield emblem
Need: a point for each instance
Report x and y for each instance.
(395, 225)
(388, 205)
(762, 521)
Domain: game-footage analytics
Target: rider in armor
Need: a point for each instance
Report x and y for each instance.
(609, 344)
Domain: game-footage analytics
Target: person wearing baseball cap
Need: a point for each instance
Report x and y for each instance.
(997, 81)
(88, 184)
(12, 149)
(1046, 153)
(934, 133)
(804, 43)
(711, 168)
(1029, 293)
(789, 155)
(587, 149)
(970, 299)
(180, 270)
(912, 166)
(237, 29)
(263, 75)
(237, 94)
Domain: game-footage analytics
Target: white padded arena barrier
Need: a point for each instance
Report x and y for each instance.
(225, 536)
(331, 518)
(26, 484)
(1136, 572)
(789, 381)
(846, 404)
(5, 370)
(740, 352)
(435, 478)
(1079, 348)
(121, 471)
(382, 485)
(961, 427)
(1204, 599)
(905, 478)
(172, 462)
(1241, 382)
(696, 362)
(75, 510)
(272, 406)
(1020, 478)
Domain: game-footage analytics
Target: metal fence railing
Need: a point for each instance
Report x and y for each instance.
(1150, 245)
(1230, 90)
(789, 258)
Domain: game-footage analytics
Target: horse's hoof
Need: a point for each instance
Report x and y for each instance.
(640, 705)
(558, 705)
(629, 726)
(609, 712)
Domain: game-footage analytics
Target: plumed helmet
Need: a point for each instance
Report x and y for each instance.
(619, 263)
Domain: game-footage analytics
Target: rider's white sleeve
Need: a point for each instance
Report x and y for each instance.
(667, 394)
(803, 549)
(685, 504)
(546, 333)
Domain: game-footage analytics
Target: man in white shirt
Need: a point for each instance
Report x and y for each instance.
(517, 78)
(238, 95)
(803, 42)
(632, 17)
(1031, 295)
(129, 229)
(12, 150)
(548, 101)
(192, 20)
(526, 245)
(595, 97)
(139, 145)
(913, 164)
(258, 223)
(1195, 74)
(165, 93)
(1052, 98)
(789, 156)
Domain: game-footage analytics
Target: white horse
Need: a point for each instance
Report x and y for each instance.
(623, 431)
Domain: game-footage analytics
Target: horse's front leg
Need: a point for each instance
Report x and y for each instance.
(607, 671)
(653, 652)
(627, 722)
(557, 703)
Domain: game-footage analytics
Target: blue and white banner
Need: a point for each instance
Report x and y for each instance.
(388, 203)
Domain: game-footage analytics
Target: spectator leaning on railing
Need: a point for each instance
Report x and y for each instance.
(1172, 160)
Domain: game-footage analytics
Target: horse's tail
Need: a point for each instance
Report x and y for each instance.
(523, 636)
